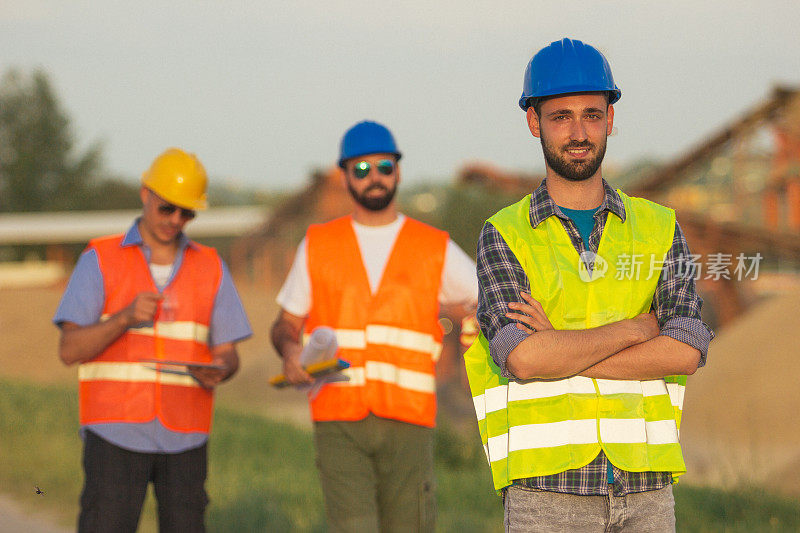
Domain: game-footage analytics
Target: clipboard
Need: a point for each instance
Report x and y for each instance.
(316, 370)
(170, 371)
(187, 364)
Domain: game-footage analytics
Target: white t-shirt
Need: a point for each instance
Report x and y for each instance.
(161, 274)
(459, 281)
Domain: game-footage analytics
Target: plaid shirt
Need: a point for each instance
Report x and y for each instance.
(500, 280)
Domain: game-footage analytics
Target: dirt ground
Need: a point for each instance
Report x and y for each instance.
(13, 519)
(741, 410)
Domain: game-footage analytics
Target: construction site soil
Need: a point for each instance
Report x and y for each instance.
(740, 416)
(741, 424)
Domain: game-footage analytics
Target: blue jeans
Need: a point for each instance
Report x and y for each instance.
(534, 510)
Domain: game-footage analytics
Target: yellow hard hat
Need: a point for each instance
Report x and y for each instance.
(179, 178)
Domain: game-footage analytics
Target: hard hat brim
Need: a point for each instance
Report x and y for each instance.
(613, 95)
(199, 205)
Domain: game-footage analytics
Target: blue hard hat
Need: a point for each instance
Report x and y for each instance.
(367, 138)
(567, 66)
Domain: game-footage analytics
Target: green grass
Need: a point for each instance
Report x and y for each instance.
(39, 445)
(705, 510)
(262, 475)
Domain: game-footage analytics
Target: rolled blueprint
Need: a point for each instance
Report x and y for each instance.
(320, 346)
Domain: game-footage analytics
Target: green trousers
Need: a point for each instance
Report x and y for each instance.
(377, 475)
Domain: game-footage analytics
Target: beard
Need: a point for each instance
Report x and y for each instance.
(373, 203)
(573, 170)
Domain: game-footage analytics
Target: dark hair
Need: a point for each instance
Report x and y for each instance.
(536, 101)
(536, 104)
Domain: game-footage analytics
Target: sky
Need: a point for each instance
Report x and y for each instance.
(263, 91)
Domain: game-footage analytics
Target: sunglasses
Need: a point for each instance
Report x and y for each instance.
(168, 209)
(362, 168)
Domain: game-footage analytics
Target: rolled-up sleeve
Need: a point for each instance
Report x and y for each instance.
(501, 278)
(676, 302)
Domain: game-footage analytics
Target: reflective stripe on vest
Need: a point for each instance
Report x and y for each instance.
(388, 373)
(131, 372)
(116, 386)
(539, 428)
(405, 339)
(181, 331)
(391, 338)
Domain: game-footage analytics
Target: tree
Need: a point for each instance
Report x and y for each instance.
(38, 168)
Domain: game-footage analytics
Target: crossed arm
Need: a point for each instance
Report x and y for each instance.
(636, 348)
(628, 349)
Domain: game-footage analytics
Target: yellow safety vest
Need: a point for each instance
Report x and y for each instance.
(538, 428)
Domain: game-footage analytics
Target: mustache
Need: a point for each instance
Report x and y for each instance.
(578, 144)
(376, 186)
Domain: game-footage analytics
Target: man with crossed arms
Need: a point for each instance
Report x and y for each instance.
(577, 385)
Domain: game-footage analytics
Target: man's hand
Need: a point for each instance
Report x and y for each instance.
(82, 343)
(142, 309)
(225, 356)
(292, 369)
(286, 338)
(210, 377)
(534, 317)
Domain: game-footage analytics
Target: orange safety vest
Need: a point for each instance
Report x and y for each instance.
(116, 386)
(392, 338)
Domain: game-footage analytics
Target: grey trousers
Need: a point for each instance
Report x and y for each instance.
(533, 510)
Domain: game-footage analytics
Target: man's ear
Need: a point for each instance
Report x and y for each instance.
(143, 194)
(610, 115)
(397, 171)
(533, 122)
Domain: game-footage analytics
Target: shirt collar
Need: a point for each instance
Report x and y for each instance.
(543, 206)
(134, 238)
